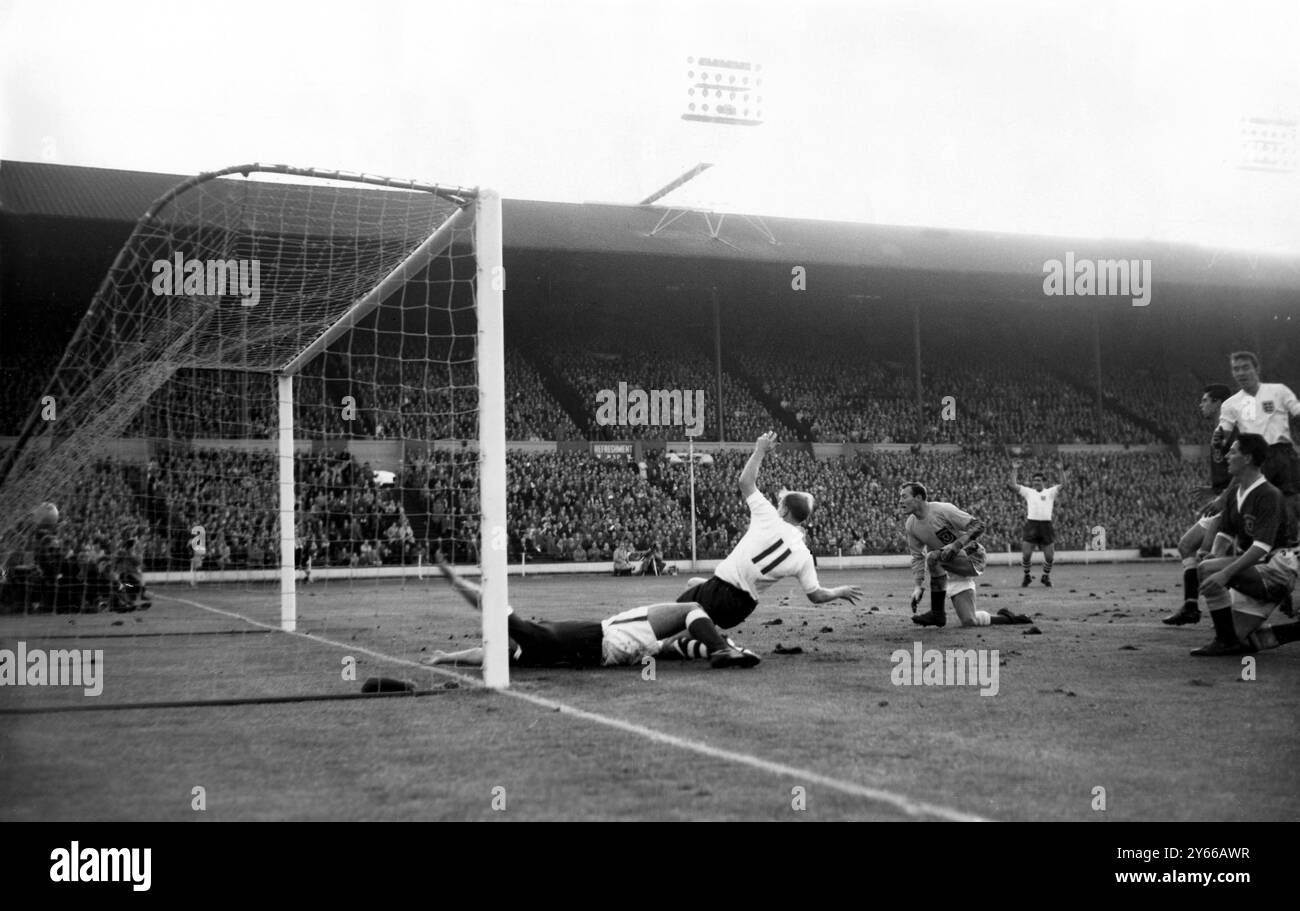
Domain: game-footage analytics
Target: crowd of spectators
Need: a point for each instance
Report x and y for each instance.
(1137, 497)
(646, 361)
(1022, 401)
(572, 506)
(532, 413)
(838, 398)
(575, 507)
(815, 383)
(368, 397)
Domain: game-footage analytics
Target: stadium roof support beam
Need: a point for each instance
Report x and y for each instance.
(668, 188)
(715, 222)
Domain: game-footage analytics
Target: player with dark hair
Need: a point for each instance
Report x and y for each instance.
(1195, 542)
(1265, 409)
(1242, 591)
(624, 639)
(1038, 531)
(772, 548)
(941, 541)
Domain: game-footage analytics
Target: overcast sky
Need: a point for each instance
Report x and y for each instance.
(1101, 119)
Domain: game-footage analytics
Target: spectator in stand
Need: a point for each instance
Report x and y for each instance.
(623, 559)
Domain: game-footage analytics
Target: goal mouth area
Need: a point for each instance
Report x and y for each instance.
(287, 376)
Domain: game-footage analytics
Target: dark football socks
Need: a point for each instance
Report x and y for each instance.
(1224, 630)
(937, 599)
(1286, 632)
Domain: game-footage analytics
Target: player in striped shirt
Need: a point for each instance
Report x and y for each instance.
(941, 540)
(771, 549)
(1242, 591)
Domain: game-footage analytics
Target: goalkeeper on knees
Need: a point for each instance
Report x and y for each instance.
(941, 540)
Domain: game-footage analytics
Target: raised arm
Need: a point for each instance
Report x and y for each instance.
(1014, 483)
(749, 475)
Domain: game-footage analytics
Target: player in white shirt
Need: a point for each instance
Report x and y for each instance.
(941, 540)
(1265, 409)
(771, 549)
(1038, 531)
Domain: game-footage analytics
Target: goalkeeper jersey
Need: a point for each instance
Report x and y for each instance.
(943, 523)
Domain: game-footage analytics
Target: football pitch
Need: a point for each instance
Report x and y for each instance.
(1102, 715)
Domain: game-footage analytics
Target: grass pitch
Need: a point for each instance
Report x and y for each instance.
(1106, 697)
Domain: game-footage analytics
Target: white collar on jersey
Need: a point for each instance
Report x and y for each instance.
(1242, 494)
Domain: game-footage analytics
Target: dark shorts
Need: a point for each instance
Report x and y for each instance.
(575, 643)
(1282, 468)
(1039, 531)
(726, 605)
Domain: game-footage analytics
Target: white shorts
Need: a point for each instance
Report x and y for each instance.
(628, 638)
(1244, 604)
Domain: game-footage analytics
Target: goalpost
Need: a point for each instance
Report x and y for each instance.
(266, 333)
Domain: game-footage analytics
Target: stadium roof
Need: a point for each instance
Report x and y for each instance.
(31, 189)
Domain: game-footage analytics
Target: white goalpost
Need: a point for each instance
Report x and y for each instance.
(269, 344)
(490, 284)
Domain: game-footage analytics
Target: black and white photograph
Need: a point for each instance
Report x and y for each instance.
(579, 411)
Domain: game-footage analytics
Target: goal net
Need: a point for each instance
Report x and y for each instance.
(289, 384)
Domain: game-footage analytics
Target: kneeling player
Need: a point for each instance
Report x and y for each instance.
(1197, 540)
(673, 630)
(941, 540)
(1241, 592)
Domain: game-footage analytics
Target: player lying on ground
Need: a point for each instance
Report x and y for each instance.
(673, 630)
(1038, 531)
(1195, 543)
(941, 540)
(772, 548)
(1241, 592)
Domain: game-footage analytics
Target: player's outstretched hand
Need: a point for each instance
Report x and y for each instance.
(850, 593)
(767, 442)
(917, 594)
